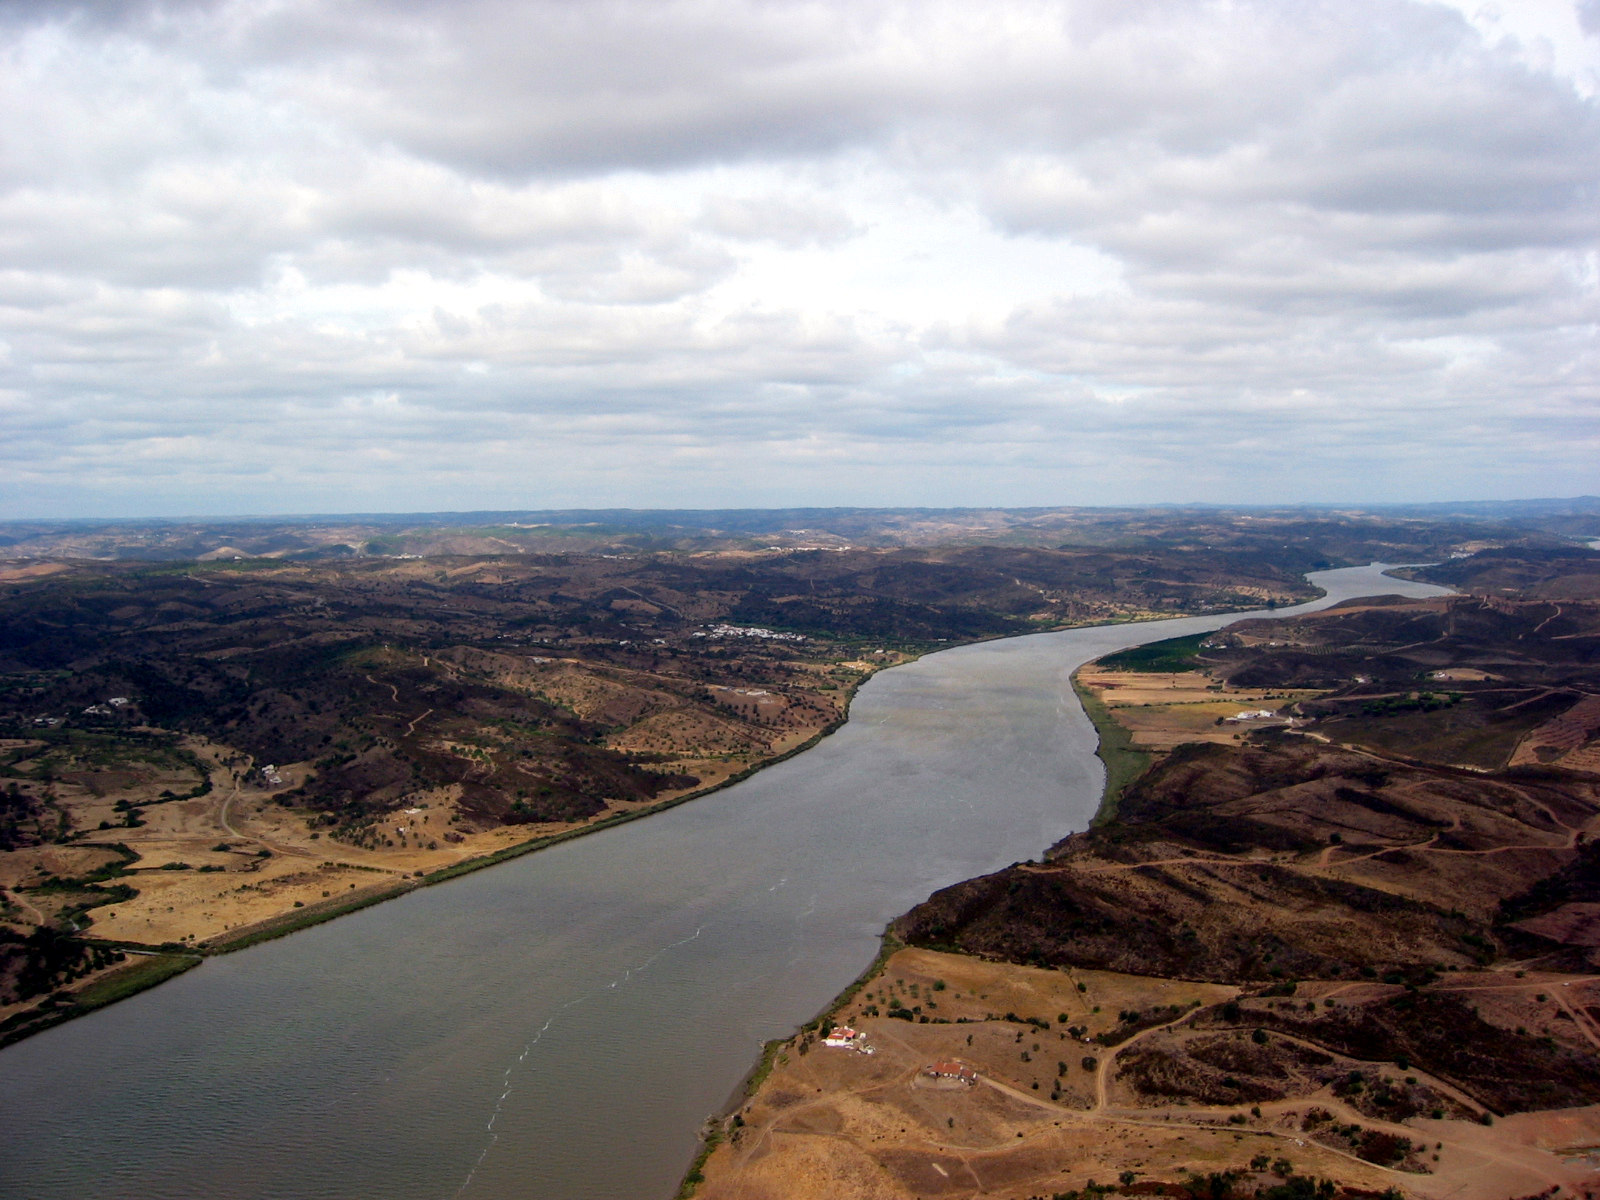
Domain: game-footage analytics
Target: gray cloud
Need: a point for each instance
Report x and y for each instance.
(325, 255)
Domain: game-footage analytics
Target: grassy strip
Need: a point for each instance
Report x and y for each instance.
(771, 1054)
(138, 976)
(1170, 654)
(316, 914)
(302, 918)
(133, 977)
(142, 973)
(622, 818)
(1123, 763)
(710, 1138)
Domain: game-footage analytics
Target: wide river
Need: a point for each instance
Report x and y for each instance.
(560, 1026)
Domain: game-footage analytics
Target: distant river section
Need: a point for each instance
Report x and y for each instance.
(559, 1027)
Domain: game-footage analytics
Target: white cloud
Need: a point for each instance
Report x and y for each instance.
(278, 255)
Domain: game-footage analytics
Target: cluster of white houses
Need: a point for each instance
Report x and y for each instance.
(748, 631)
(1253, 714)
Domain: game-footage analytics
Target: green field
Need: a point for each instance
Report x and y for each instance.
(1172, 654)
(1123, 763)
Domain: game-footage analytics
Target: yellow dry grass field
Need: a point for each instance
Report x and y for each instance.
(1042, 1111)
(210, 867)
(32, 865)
(1163, 710)
(218, 864)
(215, 865)
(13, 572)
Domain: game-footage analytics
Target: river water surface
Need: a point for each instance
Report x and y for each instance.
(558, 1027)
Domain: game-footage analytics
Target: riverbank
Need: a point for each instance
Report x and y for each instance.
(742, 915)
(774, 1055)
(1114, 748)
(1122, 762)
(1286, 1001)
(316, 914)
(351, 888)
(142, 973)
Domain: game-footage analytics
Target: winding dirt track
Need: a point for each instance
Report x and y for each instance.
(1586, 1025)
(235, 831)
(395, 692)
(324, 854)
(1469, 1149)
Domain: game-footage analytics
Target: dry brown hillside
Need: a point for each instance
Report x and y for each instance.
(1350, 947)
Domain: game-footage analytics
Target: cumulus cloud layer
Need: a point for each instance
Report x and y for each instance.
(289, 255)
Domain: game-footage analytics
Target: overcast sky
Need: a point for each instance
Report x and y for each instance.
(331, 255)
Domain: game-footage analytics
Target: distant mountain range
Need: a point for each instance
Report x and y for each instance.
(1338, 529)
